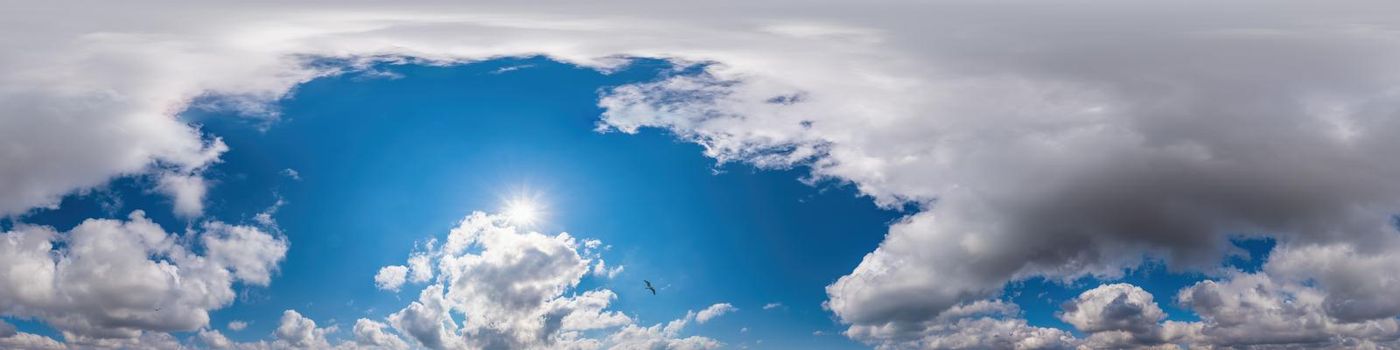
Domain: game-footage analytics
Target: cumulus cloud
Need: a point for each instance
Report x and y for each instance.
(391, 277)
(1034, 140)
(983, 324)
(714, 311)
(115, 280)
(1288, 302)
(1116, 308)
(601, 269)
(30, 341)
(634, 337)
(12, 338)
(213, 339)
(502, 287)
(297, 331)
(376, 335)
(237, 325)
(420, 269)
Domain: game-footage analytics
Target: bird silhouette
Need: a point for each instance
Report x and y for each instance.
(649, 287)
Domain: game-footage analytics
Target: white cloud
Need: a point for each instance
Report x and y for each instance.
(419, 268)
(983, 324)
(658, 336)
(534, 268)
(391, 277)
(109, 280)
(30, 341)
(518, 289)
(297, 331)
(187, 192)
(265, 219)
(428, 322)
(248, 251)
(773, 305)
(237, 325)
(291, 174)
(375, 335)
(213, 339)
(714, 311)
(147, 340)
(1277, 307)
(12, 338)
(601, 269)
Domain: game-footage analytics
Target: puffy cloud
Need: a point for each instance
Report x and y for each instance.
(659, 336)
(1116, 308)
(147, 340)
(714, 311)
(249, 252)
(391, 277)
(30, 341)
(237, 325)
(428, 322)
(187, 192)
(506, 289)
(1361, 282)
(982, 324)
(12, 338)
(213, 339)
(420, 268)
(601, 269)
(375, 335)
(297, 331)
(111, 281)
(518, 289)
(1259, 310)
(509, 286)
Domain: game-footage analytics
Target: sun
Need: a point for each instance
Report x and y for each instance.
(522, 212)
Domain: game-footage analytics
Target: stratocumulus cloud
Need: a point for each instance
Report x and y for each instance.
(1036, 140)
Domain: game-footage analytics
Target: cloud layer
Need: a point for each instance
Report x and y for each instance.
(1035, 140)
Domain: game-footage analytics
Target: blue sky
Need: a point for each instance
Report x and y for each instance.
(385, 163)
(386, 160)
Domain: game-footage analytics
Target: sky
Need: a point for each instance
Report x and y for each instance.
(815, 175)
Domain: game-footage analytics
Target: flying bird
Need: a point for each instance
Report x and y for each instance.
(649, 287)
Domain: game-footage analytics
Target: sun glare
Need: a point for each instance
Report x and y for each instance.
(522, 212)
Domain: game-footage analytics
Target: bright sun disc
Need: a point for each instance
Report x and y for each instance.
(522, 212)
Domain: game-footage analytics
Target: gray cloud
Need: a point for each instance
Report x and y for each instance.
(982, 324)
(1116, 308)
